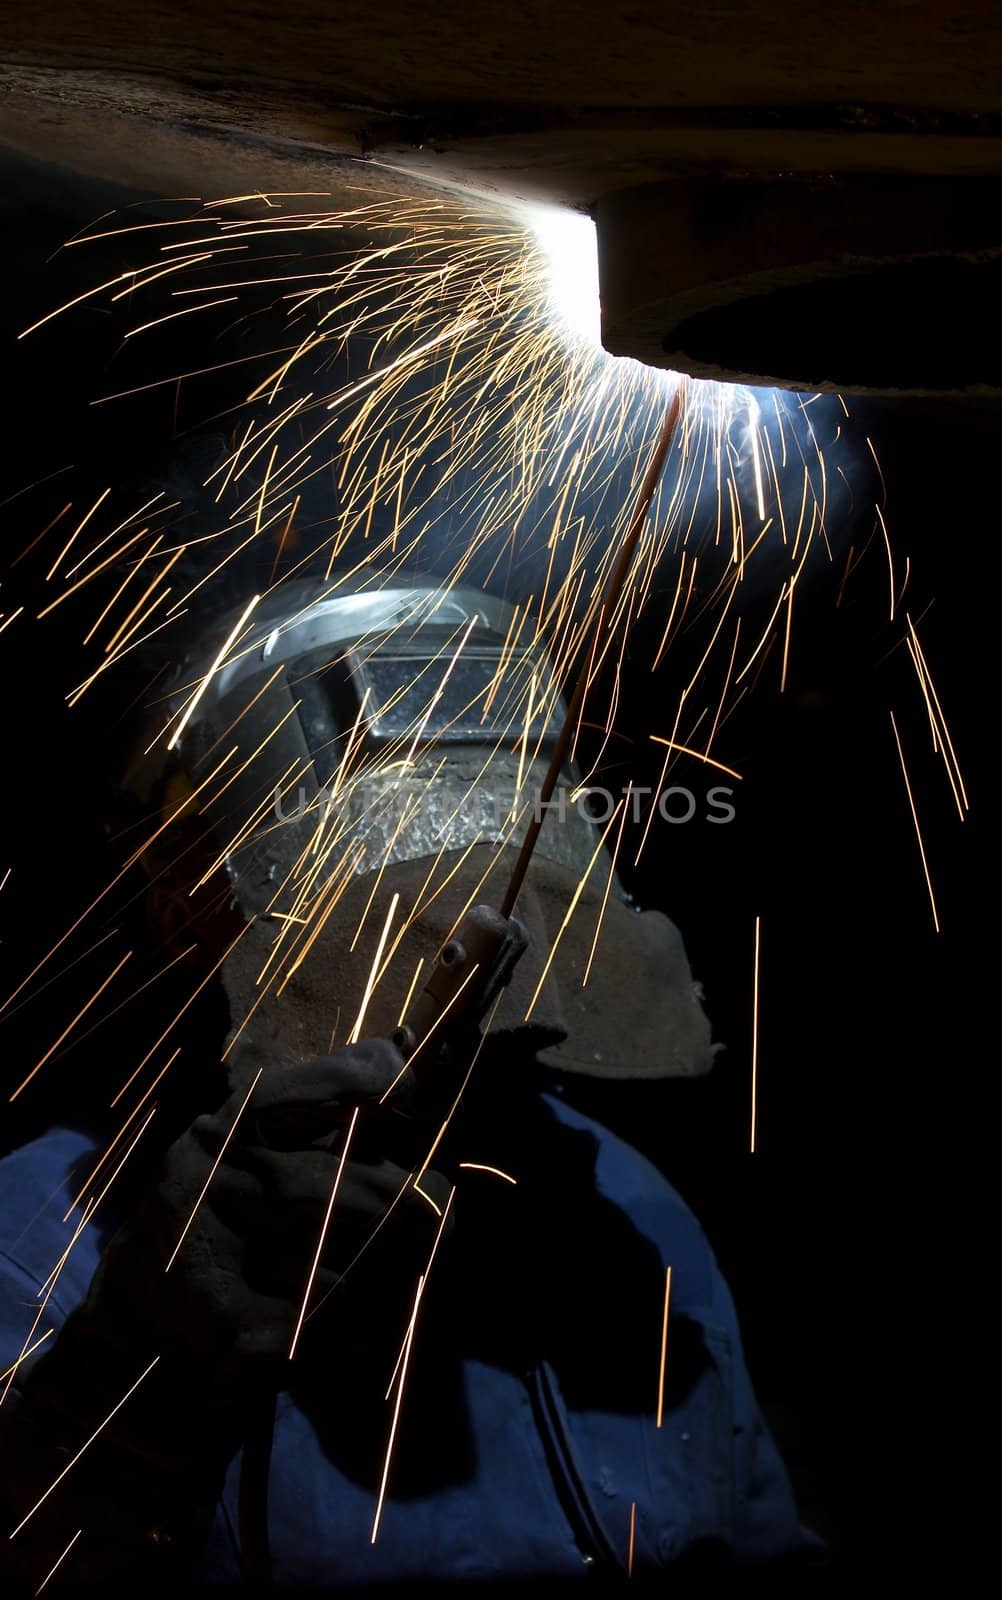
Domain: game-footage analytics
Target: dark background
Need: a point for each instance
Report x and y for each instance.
(850, 1237)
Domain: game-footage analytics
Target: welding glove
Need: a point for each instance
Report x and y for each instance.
(234, 1289)
(207, 1279)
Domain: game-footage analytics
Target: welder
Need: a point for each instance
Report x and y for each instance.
(373, 1319)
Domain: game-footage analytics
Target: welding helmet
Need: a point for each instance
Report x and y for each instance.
(337, 776)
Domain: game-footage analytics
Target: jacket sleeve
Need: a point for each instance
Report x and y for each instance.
(93, 1447)
(747, 1513)
(115, 1506)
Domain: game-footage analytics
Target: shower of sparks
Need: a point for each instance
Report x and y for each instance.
(664, 1349)
(475, 396)
(485, 438)
(754, 1047)
(463, 432)
(480, 440)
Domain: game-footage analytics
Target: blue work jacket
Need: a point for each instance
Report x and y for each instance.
(534, 1447)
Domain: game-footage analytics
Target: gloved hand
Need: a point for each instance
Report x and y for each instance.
(221, 1319)
(235, 1288)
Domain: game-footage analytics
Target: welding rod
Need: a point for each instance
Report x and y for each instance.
(610, 600)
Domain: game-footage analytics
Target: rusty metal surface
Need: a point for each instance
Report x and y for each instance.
(564, 98)
(571, 102)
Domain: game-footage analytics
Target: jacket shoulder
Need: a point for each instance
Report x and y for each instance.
(39, 1221)
(628, 1180)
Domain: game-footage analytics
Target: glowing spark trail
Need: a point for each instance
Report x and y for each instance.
(54, 1569)
(356, 1032)
(30, 1351)
(400, 1372)
(700, 755)
(396, 1412)
(915, 820)
(213, 1169)
(73, 536)
(85, 1446)
(664, 1349)
(613, 857)
(217, 663)
(572, 907)
(133, 1114)
(480, 1166)
(940, 732)
(70, 1026)
(323, 1233)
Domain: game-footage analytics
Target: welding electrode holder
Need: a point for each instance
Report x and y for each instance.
(437, 1039)
(441, 1030)
(471, 970)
